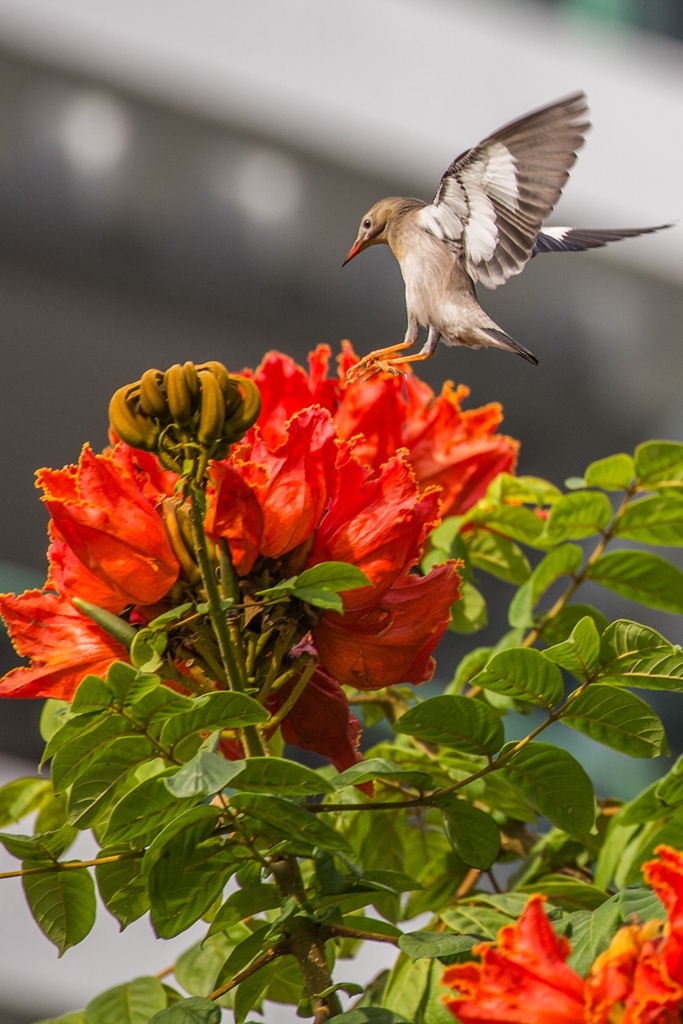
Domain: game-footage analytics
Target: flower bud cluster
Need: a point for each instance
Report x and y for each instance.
(187, 410)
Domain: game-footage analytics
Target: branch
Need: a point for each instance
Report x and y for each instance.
(261, 961)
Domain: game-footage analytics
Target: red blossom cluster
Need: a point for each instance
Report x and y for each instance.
(356, 474)
(524, 978)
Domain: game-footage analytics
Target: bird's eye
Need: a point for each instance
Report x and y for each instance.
(367, 223)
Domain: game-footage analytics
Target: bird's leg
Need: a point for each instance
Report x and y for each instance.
(425, 352)
(376, 362)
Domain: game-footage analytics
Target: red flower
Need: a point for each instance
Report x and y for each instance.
(321, 720)
(293, 481)
(377, 521)
(112, 527)
(455, 450)
(640, 975)
(302, 488)
(64, 646)
(525, 980)
(392, 640)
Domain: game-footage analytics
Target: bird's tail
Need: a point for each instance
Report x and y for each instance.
(494, 337)
(578, 239)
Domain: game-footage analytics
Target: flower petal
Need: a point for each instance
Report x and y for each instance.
(524, 981)
(112, 527)
(376, 522)
(300, 477)
(234, 513)
(390, 642)
(64, 646)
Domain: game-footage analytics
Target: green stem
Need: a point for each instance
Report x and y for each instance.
(72, 865)
(254, 746)
(298, 689)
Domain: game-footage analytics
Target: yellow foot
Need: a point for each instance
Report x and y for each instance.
(371, 366)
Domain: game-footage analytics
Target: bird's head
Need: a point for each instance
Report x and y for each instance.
(374, 225)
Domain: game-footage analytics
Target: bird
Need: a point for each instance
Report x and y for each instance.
(484, 225)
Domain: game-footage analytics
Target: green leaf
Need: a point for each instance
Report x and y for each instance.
(21, 796)
(554, 782)
(62, 903)
(187, 878)
(473, 833)
(640, 576)
(523, 673)
(221, 710)
(591, 934)
(276, 775)
(435, 944)
(142, 812)
(561, 625)
(279, 819)
(617, 718)
(659, 464)
(194, 1010)
(654, 520)
(133, 1003)
(245, 903)
(203, 775)
(46, 847)
(569, 893)
(473, 662)
(52, 717)
(196, 969)
(375, 768)
(147, 649)
(455, 721)
(77, 744)
(243, 954)
(320, 597)
(579, 514)
(498, 555)
(513, 521)
(615, 473)
(96, 787)
(562, 561)
(469, 613)
(528, 489)
(625, 644)
(580, 653)
(336, 576)
(121, 885)
(191, 826)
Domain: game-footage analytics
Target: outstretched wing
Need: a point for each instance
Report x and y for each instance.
(492, 200)
(578, 239)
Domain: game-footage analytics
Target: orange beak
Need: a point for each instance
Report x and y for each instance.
(356, 248)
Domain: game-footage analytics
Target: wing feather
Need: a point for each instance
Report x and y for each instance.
(492, 200)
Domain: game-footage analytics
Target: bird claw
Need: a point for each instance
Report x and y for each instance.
(370, 367)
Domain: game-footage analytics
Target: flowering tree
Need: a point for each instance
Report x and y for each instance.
(256, 561)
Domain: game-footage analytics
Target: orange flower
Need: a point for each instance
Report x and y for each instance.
(293, 481)
(455, 450)
(64, 646)
(639, 978)
(112, 527)
(523, 981)
(376, 521)
(392, 640)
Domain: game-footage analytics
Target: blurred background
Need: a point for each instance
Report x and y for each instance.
(181, 180)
